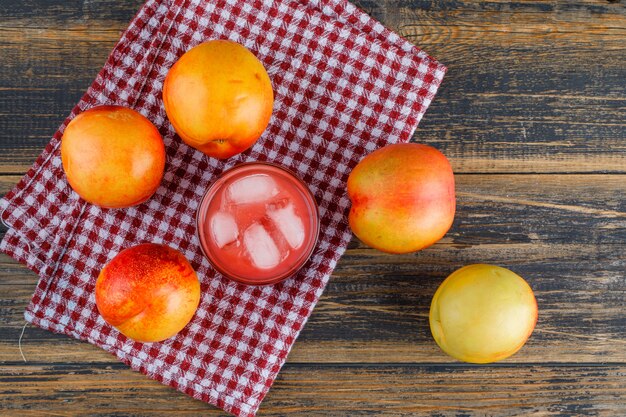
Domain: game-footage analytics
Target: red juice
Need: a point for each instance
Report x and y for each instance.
(258, 224)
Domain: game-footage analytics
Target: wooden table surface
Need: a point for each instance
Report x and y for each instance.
(532, 115)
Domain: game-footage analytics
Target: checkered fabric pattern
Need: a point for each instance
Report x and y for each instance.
(344, 86)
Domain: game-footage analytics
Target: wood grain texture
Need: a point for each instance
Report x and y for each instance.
(533, 86)
(532, 115)
(314, 390)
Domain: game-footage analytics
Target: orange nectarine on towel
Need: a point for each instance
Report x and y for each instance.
(219, 98)
(113, 156)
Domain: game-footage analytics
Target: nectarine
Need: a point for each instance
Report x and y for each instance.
(113, 156)
(483, 313)
(148, 292)
(219, 98)
(402, 198)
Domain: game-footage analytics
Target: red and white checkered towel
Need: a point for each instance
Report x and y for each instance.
(344, 86)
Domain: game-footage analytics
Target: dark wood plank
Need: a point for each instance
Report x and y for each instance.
(38, 12)
(533, 86)
(330, 390)
(563, 233)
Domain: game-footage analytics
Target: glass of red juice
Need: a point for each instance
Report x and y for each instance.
(258, 223)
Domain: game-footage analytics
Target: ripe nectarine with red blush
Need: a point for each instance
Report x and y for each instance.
(402, 198)
(148, 292)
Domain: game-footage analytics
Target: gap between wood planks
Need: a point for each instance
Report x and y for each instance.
(567, 207)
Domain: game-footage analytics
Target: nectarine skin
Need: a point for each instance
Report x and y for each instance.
(219, 98)
(483, 313)
(113, 156)
(402, 198)
(148, 292)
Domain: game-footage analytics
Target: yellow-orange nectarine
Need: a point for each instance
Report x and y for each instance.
(483, 313)
(113, 156)
(219, 98)
(148, 292)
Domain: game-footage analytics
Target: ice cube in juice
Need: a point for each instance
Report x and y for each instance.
(261, 247)
(224, 229)
(258, 224)
(288, 223)
(251, 189)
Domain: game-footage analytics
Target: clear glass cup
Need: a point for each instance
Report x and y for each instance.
(261, 211)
